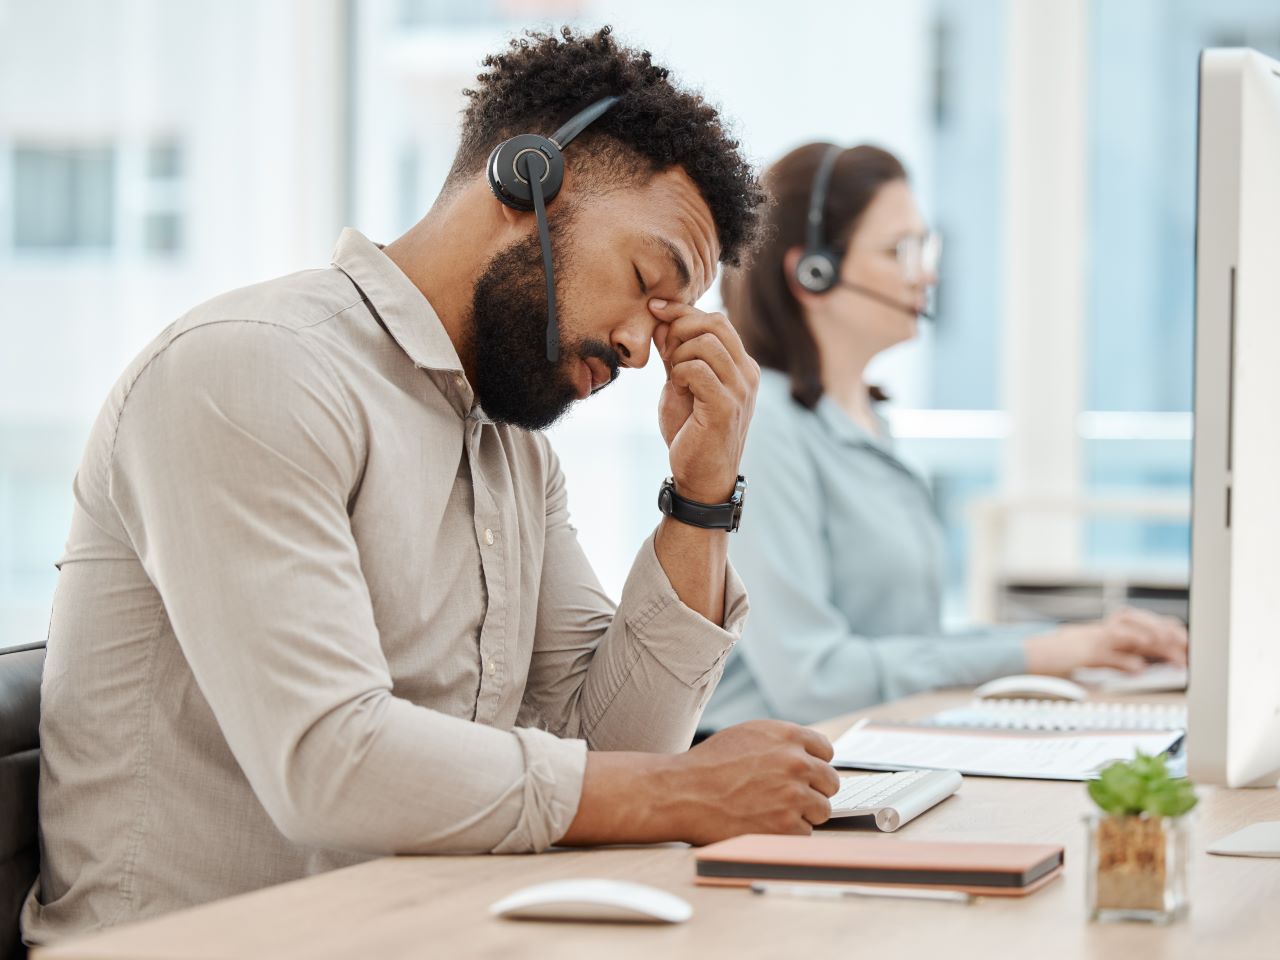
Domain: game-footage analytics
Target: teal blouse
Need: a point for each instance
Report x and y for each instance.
(841, 553)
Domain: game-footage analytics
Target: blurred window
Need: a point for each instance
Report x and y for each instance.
(451, 13)
(164, 161)
(1143, 64)
(162, 199)
(162, 232)
(64, 197)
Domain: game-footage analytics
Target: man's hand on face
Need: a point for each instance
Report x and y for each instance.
(708, 399)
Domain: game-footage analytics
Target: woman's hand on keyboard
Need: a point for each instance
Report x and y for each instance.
(1129, 639)
(765, 776)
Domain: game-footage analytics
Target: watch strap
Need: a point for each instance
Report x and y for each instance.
(710, 516)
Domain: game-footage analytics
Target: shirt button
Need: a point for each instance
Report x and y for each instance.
(459, 381)
(492, 668)
(488, 536)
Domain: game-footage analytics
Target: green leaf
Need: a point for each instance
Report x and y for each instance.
(1142, 785)
(1103, 797)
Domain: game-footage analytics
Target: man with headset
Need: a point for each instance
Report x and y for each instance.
(322, 600)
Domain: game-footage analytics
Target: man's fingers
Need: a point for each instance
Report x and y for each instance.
(817, 808)
(698, 378)
(669, 310)
(709, 348)
(661, 343)
(823, 778)
(695, 324)
(815, 744)
(684, 322)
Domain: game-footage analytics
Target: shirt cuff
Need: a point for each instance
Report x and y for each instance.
(552, 787)
(685, 642)
(994, 652)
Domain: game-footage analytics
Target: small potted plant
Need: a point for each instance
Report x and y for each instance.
(1139, 842)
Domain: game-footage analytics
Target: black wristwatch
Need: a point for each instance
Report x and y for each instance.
(711, 516)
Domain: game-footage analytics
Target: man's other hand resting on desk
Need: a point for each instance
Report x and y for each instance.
(765, 776)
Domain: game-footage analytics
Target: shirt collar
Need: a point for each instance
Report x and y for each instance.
(843, 427)
(402, 308)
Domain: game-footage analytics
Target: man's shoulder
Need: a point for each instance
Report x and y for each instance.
(246, 321)
(298, 302)
(262, 334)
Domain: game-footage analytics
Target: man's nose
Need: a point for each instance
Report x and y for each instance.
(633, 344)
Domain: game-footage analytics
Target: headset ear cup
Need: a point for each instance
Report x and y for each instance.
(506, 181)
(818, 271)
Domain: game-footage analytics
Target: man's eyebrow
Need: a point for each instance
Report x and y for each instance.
(677, 260)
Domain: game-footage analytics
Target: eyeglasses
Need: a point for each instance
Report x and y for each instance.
(917, 255)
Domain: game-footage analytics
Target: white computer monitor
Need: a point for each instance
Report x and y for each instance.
(1233, 694)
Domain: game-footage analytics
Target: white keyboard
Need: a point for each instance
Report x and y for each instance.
(1061, 715)
(893, 798)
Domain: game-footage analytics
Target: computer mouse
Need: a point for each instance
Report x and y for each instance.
(591, 899)
(1031, 686)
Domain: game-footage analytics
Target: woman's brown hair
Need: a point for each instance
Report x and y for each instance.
(758, 297)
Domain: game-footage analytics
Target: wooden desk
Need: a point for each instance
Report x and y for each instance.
(437, 906)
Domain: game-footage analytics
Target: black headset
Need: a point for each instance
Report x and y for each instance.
(818, 269)
(526, 173)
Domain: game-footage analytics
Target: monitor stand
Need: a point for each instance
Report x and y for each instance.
(1256, 840)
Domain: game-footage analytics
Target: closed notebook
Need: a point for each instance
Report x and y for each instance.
(988, 869)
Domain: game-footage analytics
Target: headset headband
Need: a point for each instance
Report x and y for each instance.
(576, 124)
(814, 229)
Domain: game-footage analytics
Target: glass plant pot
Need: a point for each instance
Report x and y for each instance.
(1137, 867)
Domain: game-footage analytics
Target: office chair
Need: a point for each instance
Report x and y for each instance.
(20, 670)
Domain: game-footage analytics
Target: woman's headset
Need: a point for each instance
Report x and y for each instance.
(525, 173)
(818, 269)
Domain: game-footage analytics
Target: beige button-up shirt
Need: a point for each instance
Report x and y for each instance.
(316, 607)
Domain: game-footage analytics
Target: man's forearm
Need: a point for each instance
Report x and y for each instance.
(760, 777)
(626, 798)
(695, 561)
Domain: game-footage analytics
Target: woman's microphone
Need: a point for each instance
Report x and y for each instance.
(887, 301)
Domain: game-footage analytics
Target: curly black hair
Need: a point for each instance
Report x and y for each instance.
(542, 79)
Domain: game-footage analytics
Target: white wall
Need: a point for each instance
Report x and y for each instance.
(242, 86)
(247, 89)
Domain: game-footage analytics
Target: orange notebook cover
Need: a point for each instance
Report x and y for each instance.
(988, 869)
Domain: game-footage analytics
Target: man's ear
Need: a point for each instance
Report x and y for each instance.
(510, 215)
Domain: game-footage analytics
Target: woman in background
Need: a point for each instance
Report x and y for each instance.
(842, 552)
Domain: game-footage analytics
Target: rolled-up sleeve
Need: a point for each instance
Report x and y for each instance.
(235, 459)
(634, 677)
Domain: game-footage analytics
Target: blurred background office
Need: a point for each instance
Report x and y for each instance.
(156, 152)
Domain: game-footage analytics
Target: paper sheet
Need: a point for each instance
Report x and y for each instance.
(1028, 755)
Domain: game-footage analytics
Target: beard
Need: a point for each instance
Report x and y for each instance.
(515, 382)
